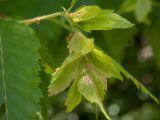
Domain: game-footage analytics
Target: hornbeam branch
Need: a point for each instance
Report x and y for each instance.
(40, 18)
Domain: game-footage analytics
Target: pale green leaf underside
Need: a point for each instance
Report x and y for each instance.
(85, 13)
(80, 44)
(108, 62)
(74, 97)
(105, 63)
(19, 70)
(100, 78)
(64, 75)
(89, 88)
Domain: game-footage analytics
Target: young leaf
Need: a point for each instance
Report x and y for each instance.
(19, 70)
(64, 75)
(107, 59)
(104, 63)
(74, 97)
(98, 75)
(89, 88)
(94, 18)
(105, 20)
(100, 78)
(142, 9)
(85, 13)
(80, 44)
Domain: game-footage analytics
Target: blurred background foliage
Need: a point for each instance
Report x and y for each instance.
(137, 49)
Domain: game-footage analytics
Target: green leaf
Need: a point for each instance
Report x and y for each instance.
(74, 97)
(85, 13)
(19, 68)
(100, 80)
(64, 75)
(94, 18)
(80, 44)
(105, 63)
(92, 91)
(142, 9)
(107, 60)
(105, 20)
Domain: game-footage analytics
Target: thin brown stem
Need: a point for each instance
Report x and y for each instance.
(40, 18)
